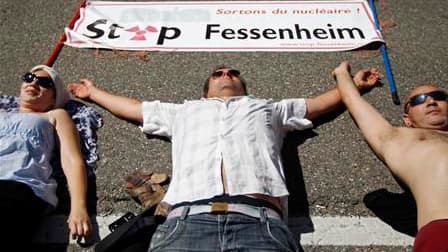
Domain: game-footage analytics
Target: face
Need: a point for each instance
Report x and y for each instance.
(225, 83)
(430, 114)
(39, 97)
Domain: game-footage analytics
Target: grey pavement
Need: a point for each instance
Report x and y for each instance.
(338, 167)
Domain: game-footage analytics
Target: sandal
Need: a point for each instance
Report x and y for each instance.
(147, 189)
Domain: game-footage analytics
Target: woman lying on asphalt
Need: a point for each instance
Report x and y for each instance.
(31, 139)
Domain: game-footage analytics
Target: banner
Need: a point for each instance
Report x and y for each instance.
(225, 26)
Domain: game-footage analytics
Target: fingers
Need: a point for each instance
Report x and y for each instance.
(363, 79)
(333, 74)
(82, 89)
(367, 77)
(74, 89)
(344, 66)
(86, 82)
(371, 76)
(82, 82)
(79, 229)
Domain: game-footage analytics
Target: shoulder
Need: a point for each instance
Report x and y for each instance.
(156, 105)
(297, 103)
(398, 137)
(59, 115)
(253, 99)
(187, 102)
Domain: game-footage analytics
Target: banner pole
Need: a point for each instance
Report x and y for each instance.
(57, 49)
(383, 48)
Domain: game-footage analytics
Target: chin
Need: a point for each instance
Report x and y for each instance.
(437, 125)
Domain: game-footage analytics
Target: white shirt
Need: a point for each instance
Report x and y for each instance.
(244, 133)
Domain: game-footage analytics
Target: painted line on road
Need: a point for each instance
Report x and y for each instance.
(353, 231)
(328, 231)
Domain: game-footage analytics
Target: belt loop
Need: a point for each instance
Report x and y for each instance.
(185, 211)
(263, 214)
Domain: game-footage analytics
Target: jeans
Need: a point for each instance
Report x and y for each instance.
(223, 232)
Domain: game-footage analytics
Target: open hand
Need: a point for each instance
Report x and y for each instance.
(82, 89)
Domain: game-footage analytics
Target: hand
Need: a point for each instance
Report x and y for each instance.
(79, 224)
(81, 90)
(363, 79)
(344, 67)
(366, 78)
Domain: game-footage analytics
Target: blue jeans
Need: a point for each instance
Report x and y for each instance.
(222, 232)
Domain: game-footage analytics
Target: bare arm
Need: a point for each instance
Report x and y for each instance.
(331, 100)
(120, 106)
(75, 172)
(322, 104)
(375, 128)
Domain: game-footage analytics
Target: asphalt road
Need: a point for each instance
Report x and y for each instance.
(338, 167)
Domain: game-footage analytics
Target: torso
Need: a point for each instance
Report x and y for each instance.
(27, 142)
(245, 134)
(419, 158)
(276, 201)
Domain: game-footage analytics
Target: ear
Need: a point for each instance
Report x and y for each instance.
(407, 121)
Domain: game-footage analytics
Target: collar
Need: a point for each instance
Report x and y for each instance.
(227, 99)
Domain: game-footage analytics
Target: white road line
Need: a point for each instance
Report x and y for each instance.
(353, 231)
(335, 231)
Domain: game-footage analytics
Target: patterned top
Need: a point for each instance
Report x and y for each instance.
(244, 133)
(27, 142)
(87, 121)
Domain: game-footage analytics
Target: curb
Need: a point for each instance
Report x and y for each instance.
(328, 231)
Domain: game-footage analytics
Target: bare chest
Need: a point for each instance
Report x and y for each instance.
(419, 149)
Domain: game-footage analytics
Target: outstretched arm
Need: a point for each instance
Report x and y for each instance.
(120, 106)
(331, 100)
(75, 172)
(375, 128)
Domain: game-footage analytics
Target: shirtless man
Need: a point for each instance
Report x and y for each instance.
(416, 154)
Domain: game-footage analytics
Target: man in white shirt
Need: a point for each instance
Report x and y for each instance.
(228, 188)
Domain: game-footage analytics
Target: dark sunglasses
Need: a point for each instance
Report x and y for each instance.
(45, 82)
(230, 73)
(421, 98)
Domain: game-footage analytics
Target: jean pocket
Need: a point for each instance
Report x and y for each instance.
(164, 234)
(279, 233)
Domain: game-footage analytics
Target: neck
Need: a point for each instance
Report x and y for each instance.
(25, 107)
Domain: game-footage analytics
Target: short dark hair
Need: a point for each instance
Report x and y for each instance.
(207, 81)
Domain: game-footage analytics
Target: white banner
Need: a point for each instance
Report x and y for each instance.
(225, 26)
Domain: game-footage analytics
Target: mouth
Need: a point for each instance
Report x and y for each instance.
(32, 90)
(226, 83)
(433, 112)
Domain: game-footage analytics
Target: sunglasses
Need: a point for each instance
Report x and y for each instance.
(421, 98)
(230, 73)
(45, 82)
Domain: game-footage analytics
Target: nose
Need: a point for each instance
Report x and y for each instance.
(430, 101)
(226, 73)
(33, 83)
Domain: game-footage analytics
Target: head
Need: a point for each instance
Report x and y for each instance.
(224, 82)
(42, 89)
(427, 107)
